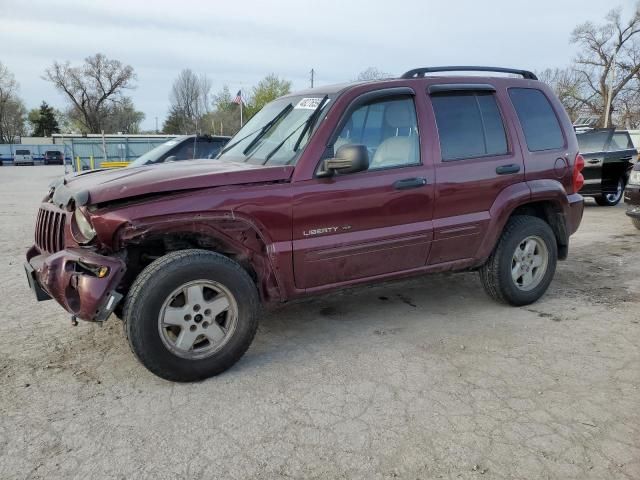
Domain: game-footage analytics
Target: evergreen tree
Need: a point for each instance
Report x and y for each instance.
(43, 121)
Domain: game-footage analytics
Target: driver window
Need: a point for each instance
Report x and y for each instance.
(388, 129)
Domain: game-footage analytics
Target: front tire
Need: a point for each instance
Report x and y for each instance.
(522, 265)
(191, 314)
(611, 199)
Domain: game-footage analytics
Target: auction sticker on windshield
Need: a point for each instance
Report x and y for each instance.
(309, 103)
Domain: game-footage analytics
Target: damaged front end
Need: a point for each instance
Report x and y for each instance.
(81, 280)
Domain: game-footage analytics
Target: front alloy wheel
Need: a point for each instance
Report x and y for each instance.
(191, 314)
(197, 319)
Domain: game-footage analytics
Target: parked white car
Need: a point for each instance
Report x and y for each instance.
(23, 157)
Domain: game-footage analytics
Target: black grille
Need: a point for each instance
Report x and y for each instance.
(50, 230)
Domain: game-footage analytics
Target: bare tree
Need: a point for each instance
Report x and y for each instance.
(12, 120)
(568, 85)
(190, 100)
(605, 48)
(92, 88)
(123, 117)
(12, 110)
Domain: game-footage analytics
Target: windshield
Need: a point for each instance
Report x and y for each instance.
(277, 133)
(154, 154)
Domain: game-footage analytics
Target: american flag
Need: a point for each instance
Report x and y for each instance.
(239, 100)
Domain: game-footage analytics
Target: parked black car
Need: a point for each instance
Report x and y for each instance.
(632, 196)
(185, 147)
(609, 156)
(53, 157)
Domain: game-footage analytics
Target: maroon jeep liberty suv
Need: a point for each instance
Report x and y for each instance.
(320, 190)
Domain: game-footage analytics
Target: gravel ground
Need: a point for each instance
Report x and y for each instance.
(425, 378)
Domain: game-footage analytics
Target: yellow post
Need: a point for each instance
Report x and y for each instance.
(79, 169)
(92, 164)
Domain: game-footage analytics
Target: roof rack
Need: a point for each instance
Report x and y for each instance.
(420, 72)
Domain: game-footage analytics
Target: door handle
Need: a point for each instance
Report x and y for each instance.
(594, 161)
(410, 183)
(507, 169)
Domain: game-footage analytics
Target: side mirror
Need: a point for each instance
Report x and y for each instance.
(171, 158)
(349, 158)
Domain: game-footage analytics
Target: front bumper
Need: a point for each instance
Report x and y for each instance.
(632, 199)
(71, 278)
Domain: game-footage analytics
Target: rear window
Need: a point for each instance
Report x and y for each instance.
(620, 141)
(539, 122)
(594, 141)
(469, 125)
(23, 152)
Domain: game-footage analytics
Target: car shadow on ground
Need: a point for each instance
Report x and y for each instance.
(404, 310)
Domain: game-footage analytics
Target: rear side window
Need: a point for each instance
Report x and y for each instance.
(469, 125)
(539, 122)
(620, 141)
(594, 141)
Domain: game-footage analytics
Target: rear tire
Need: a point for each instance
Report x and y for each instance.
(612, 199)
(175, 317)
(522, 265)
(636, 222)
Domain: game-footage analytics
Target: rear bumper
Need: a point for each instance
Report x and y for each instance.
(70, 277)
(574, 213)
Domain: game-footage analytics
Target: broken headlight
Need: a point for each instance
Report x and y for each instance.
(81, 228)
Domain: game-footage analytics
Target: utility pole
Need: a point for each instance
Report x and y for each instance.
(156, 125)
(313, 72)
(607, 108)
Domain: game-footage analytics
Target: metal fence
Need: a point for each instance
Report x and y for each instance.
(8, 150)
(83, 153)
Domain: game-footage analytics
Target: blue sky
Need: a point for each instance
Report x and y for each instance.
(238, 43)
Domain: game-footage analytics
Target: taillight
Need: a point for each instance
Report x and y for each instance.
(578, 178)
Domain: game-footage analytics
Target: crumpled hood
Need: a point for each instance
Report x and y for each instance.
(106, 185)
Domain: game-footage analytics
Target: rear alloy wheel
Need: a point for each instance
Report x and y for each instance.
(523, 263)
(191, 314)
(529, 263)
(611, 199)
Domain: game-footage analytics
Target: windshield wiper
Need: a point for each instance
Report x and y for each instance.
(230, 146)
(267, 126)
(277, 147)
(308, 125)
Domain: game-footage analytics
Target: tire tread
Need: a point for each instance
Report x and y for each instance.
(133, 310)
(490, 271)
